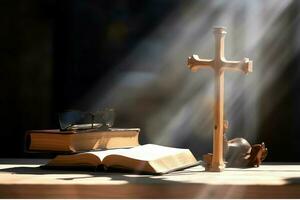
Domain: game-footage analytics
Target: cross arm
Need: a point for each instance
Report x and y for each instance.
(244, 66)
(195, 63)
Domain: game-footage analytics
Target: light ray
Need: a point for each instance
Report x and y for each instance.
(184, 100)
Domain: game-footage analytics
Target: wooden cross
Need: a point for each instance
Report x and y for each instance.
(219, 64)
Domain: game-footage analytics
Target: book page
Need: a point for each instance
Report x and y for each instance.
(144, 152)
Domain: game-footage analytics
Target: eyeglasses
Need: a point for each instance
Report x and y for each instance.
(78, 120)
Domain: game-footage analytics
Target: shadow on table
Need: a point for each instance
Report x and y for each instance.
(138, 183)
(294, 180)
(113, 174)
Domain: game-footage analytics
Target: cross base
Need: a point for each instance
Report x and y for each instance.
(212, 167)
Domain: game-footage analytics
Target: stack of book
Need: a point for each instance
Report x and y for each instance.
(111, 149)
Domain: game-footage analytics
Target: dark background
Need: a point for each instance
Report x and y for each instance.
(54, 52)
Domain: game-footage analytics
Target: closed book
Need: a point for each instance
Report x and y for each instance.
(78, 141)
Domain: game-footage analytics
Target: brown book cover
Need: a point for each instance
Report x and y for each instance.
(74, 141)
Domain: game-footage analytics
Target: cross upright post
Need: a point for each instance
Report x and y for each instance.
(219, 64)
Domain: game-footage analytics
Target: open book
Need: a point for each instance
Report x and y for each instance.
(149, 158)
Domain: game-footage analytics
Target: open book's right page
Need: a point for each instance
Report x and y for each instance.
(160, 159)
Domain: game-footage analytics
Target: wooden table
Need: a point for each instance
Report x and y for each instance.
(22, 178)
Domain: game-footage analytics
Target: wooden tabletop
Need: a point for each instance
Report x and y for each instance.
(22, 178)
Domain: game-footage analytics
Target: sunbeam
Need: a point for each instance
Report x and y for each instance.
(174, 106)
